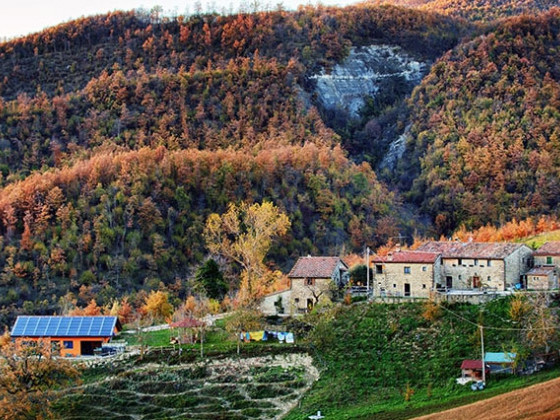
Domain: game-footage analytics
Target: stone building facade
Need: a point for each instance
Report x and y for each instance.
(548, 254)
(542, 278)
(311, 280)
(494, 266)
(406, 274)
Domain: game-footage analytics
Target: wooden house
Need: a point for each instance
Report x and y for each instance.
(472, 369)
(500, 362)
(69, 335)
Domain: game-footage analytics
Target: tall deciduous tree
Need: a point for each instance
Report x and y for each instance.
(244, 234)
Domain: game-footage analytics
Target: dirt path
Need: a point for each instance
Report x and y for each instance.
(537, 402)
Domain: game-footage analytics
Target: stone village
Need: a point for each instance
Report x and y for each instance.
(444, 270)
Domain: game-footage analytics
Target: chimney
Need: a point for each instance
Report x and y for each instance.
(390, 256)
(398, 248)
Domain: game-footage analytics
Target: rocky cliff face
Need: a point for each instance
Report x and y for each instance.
(362, 74)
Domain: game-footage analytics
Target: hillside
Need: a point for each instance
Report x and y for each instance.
(119, 222)
(371, 356)
(479, 10)
(221, 109)
(483, 144)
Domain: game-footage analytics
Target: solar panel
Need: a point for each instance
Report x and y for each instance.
(63, 326)
(52, 326)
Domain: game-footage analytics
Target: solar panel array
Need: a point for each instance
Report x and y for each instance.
(64, 326)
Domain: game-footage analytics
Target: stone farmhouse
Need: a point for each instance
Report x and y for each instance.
(311, 279)
(406, 273)
(491, 266)
(547, 264)
(548, 255)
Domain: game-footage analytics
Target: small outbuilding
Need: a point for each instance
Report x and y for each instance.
(69, 335)
(472, 370)
(542, 278)
(500, 362)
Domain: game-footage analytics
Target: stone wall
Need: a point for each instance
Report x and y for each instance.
(517, 264)
(464, 271)
(268, 305)
(420, 277)
(301, 292)
(540, 261)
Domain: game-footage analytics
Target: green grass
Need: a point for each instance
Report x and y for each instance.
(538, 240)
(369, 353)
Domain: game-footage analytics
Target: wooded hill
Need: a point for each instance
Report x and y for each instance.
(121, 133)
(479, 10)
(485, 139)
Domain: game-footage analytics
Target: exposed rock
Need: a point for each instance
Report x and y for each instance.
(361, 74)
(395, 152)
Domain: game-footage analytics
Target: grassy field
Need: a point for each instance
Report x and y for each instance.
(539, 240)
(388, 362)
(376, 361)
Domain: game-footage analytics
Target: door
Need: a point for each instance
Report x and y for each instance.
(87, 347)
(407, 289)
(309, 305)
(449, 282)
(476, 282)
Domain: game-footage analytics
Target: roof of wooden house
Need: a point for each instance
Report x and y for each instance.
(315, 267)
(548, 249)
(474, 250)
(65, 326)
(499, 357)
(472, 364)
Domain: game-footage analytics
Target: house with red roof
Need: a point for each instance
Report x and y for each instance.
(311, 280)
(406, 273)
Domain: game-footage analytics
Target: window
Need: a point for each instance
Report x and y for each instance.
(489, 278)
(424, 268)
(378, 269)
(394, 286)
(407, 270)
(489, 263)
(68, 344)
(423, 286)
(459, 261)
(460, 277)
(549, 260)
(475, 261)
(309, 282)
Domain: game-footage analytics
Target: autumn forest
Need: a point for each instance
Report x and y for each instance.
(121, 134)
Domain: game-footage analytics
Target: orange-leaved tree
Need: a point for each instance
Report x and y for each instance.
(29, 374)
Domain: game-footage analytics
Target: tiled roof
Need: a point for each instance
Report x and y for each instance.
(471, 364)
(65, 326)
(408, 257)
(488, 250)
(315, 267)
(550, 248)
(541, 271)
